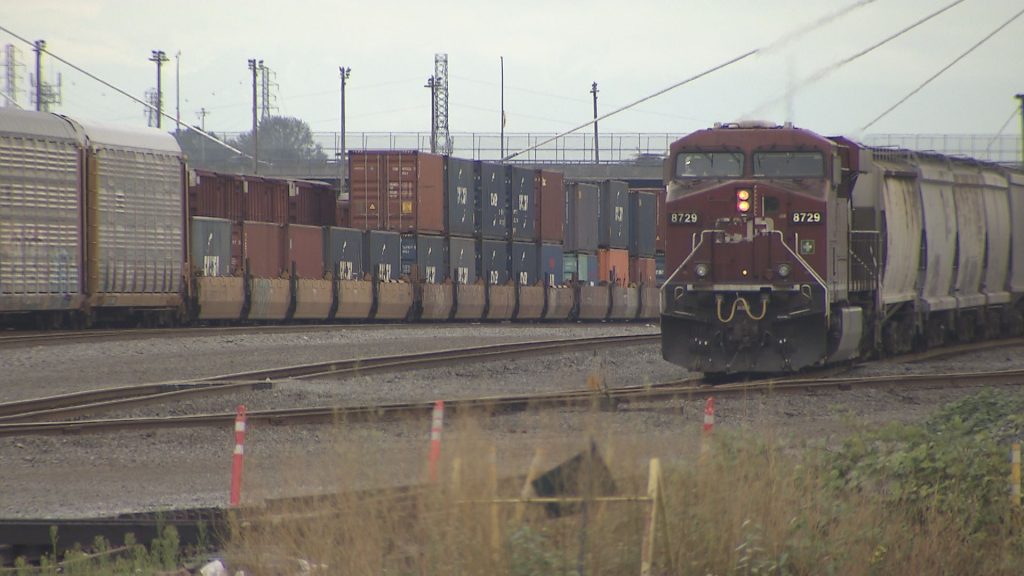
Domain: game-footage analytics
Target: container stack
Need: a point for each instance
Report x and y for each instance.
(582, 211)
(613, 233)
(643, 216)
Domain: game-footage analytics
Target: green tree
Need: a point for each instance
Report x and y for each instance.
(283, 140)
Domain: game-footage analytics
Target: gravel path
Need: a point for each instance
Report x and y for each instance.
(102, 474)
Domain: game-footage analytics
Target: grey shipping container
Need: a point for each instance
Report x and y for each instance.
(522, 203)
(524, 263)
(383, 254)
(460, 193)
(643, 223)
(581, 217)
(462, 260)
(211, 246)
(492, 213)
(614, 215)
(423, 257)
(494, 261)
(343, 253)
(551, 267)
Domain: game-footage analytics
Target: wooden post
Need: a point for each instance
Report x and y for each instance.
(651, 524)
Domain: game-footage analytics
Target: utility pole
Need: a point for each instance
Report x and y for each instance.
(1021, 98)
(203, 113)
(177, 92)
(503, 108)
(344, 72)
(255, 120)
(597, 154)
(159, 57)
(39, 49)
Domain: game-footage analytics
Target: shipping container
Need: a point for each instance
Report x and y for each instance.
(613, 231)
(462, 264)
(550, 187)
(216, 195)
(312, 203)
(643, 219)
(524, 263)
(494, 261)
(613, 266)
(423, 258)
(306, 251)
(581, 267)
(522, 204)
(400, 191)
(551, 266)
(414, 183)
(264, 248)
(343, 253)
(383, 254)
(211, 246)
(659, 268)
(461, 196)
(581, 217)
(493, 214)
(367, 200)
(266, 199)
(641, 270)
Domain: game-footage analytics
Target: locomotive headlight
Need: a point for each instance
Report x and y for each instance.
(743, 201)
(784, 270)
(702, 270)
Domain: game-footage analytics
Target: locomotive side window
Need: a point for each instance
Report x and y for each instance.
(709, 165)
(789, 164)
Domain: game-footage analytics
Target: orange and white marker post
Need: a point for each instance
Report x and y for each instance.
(709, 424)
(239, 456)
(1015, 474)
(435, 439)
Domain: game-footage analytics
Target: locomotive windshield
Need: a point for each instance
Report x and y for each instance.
(709, 165)
(789, 164)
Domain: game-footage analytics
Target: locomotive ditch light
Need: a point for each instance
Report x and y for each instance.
(743, 201)
(702, 270)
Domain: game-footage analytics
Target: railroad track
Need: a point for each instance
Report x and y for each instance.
(93, 401)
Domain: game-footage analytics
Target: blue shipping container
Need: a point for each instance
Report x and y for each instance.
(423, 258)
(551, 266)
(492, 214)
(461, 196)
(524, 263)
(522, 203)
(462, 264)
(343, 253)
(383, 254)
(494, 261)
(614, 216)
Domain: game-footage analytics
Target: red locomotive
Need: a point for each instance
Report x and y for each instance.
(787, 249)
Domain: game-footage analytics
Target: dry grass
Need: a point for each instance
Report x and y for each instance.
(748, 507)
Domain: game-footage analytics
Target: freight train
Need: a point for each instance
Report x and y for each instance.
(788, 250)
(110, 225)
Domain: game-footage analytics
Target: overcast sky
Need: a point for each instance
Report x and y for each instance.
(553, 51)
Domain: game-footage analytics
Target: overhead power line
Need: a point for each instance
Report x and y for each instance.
(122, 92)
(941, 71)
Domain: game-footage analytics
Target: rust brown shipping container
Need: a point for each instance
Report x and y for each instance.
(399, 191)
(266, 199)
(311, 203)
(216, 195)
(550, 187)
(367, 201)
(642, 270)
(613, 266)
(264, 246)
(414, 182)
(306, 250)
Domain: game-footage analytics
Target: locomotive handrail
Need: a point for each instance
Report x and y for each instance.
(817, 278)
(687, 259)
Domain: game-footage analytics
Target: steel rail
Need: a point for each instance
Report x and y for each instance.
(598, 399)
(78, 403)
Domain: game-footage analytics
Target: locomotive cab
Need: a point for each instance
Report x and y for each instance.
(756, 251)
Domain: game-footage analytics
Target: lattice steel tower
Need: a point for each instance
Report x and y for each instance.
(11, 77)
(268, 87)
(442, 140)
